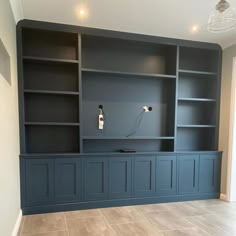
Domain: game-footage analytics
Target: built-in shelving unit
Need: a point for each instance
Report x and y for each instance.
(68, 75)
(67, 163)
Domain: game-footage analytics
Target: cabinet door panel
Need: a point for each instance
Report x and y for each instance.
(120, 177)
(188, 173)
(144, 176)
(209, 173)
(68, 181)
(96, 178)
(166, 175)
(39, 181)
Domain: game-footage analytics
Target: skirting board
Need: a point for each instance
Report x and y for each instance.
(224, 197)
(116, 203)
(17, 224)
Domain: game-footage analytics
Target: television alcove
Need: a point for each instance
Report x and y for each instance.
(67, 163)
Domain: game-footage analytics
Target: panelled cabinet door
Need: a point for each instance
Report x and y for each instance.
(96, 178)
(209, 173)
(120, 177)
(188, 173)
(39, 181)
(144, 176)
(166, 175)
(68, 179)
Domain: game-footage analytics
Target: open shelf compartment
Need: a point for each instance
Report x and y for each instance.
(199, 60)
(54, 77)
(115, 145)
(50, 44)
(192, 113)
(51, 108)
(195, 86)
(123, 100)
(196, 139)
(128, 56)
(52, 139)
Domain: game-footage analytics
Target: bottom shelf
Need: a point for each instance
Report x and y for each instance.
(196, 139)
(52, 139)
(115, 145)
(66, 139)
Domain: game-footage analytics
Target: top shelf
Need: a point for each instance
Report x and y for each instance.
(50, 46)
(49, 60)
(130, 74)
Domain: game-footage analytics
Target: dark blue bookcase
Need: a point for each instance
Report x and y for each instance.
(65, 72)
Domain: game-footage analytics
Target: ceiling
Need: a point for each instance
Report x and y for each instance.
(169, 18)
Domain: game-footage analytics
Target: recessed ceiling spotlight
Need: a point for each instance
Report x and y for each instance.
(82, 12)
(195, 29)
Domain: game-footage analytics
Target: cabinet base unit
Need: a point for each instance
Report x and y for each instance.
(114, 118)
(59, 183)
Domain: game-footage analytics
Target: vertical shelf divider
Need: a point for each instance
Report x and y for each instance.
(21, 101)
(218, 93)
(80, 92)
(176, 98)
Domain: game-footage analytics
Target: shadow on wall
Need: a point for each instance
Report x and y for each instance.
(5, 64)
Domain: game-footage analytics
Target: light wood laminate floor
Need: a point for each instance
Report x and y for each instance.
(194, 218)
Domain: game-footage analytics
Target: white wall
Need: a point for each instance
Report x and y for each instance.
(9, 134)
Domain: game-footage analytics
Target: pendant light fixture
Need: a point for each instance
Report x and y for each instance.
(223, 18)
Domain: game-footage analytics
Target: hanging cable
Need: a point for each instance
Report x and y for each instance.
(139, 119)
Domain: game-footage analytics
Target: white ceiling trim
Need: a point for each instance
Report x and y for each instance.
(17, 10)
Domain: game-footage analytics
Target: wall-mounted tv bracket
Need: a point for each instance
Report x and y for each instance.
(100, 117)
(147, 109)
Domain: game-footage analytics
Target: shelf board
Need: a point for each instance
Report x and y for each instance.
(131, 74)
(196, 99)
(48, 59)
(196, 151)
(50, 92)
(52, 123)
(193, 72)
(196, 126)
(58, 154)
(126, 138)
